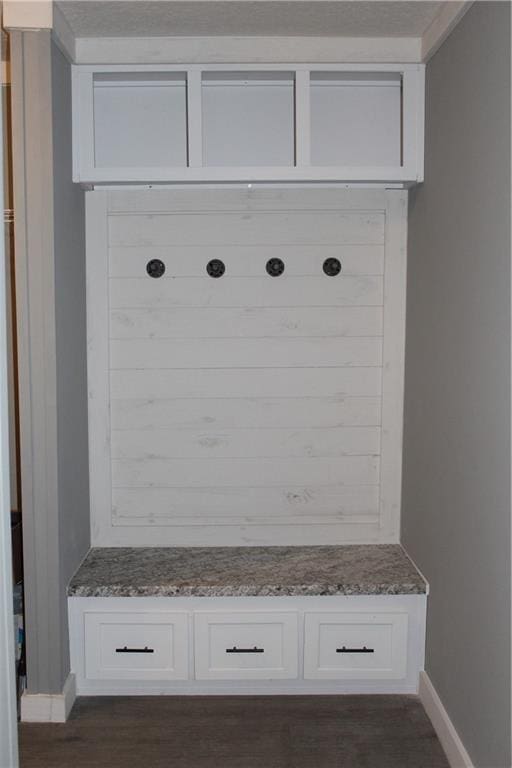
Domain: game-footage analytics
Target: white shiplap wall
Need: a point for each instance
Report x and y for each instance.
(246, 409)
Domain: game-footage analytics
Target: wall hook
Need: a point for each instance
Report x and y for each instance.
(215, 268)
(155, 268)
(275, 267)
(332, 267)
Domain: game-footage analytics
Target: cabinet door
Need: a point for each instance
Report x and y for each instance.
(246, 646)
(136, 646)
(355, 646)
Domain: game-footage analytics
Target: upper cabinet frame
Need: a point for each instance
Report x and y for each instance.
(350, 123)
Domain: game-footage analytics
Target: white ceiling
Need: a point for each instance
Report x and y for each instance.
(166, 18)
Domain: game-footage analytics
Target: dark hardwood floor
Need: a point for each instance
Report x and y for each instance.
(242, 732)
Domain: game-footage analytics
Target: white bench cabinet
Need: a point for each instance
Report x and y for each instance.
(247, 645)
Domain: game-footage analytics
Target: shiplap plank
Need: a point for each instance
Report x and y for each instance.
(243, 323)
(284, 291)
(257, 228)
(244, 413)
(244, 353)
(169, 473)
(161, 200)
(349, 503)
(256, 382)
(286, 530)
(246, 260)
(245, 443)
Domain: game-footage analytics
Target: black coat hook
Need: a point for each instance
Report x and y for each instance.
(332, 267)
(155, 268)
(275, 267)
(215, 268)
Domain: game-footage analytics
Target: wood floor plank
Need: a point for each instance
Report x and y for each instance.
(237, 732)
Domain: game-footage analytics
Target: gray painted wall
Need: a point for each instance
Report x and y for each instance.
(50, 293)
(456, 480)
(71, 340)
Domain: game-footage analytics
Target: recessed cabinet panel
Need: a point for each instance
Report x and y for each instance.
(355, 646)
(355, 121)
(246, 646)
(140, 120)
(136, 646)
(248, 119)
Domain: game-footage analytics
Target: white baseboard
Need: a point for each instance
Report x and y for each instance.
(443, 726)
(49, 708)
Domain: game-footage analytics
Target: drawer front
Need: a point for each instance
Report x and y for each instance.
(136, 646)
(246, 646)
(361, 646)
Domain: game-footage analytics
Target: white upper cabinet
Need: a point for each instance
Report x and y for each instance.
(248, 119)
(163, 124)
(356, 119)
(140, 117)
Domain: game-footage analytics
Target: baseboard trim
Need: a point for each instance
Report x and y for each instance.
(443, 726)
(49, 708)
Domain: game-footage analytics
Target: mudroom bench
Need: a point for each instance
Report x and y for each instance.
(210, 620)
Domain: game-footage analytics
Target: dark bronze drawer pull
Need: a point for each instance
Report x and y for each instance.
(234, 649)
(364, 649)
(135, 650)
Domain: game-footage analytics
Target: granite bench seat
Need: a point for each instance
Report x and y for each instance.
(370, 569)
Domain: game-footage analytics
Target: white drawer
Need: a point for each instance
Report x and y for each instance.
(246, 646)
(136, 646)
(362, 646)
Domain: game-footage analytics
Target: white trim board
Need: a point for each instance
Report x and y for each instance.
(443, 726)
(47, 707)
(225, 50)
(28, 14)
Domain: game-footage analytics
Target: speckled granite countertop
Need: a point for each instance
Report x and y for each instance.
(373, 569)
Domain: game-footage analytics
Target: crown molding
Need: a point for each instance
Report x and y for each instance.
(227, 50)
(445, 21)
(63, 34)
(45, 14)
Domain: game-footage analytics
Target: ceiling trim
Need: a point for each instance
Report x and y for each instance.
(27, 14)
(227, 50)
(43, 14)
(448, 17)
(63, 34)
